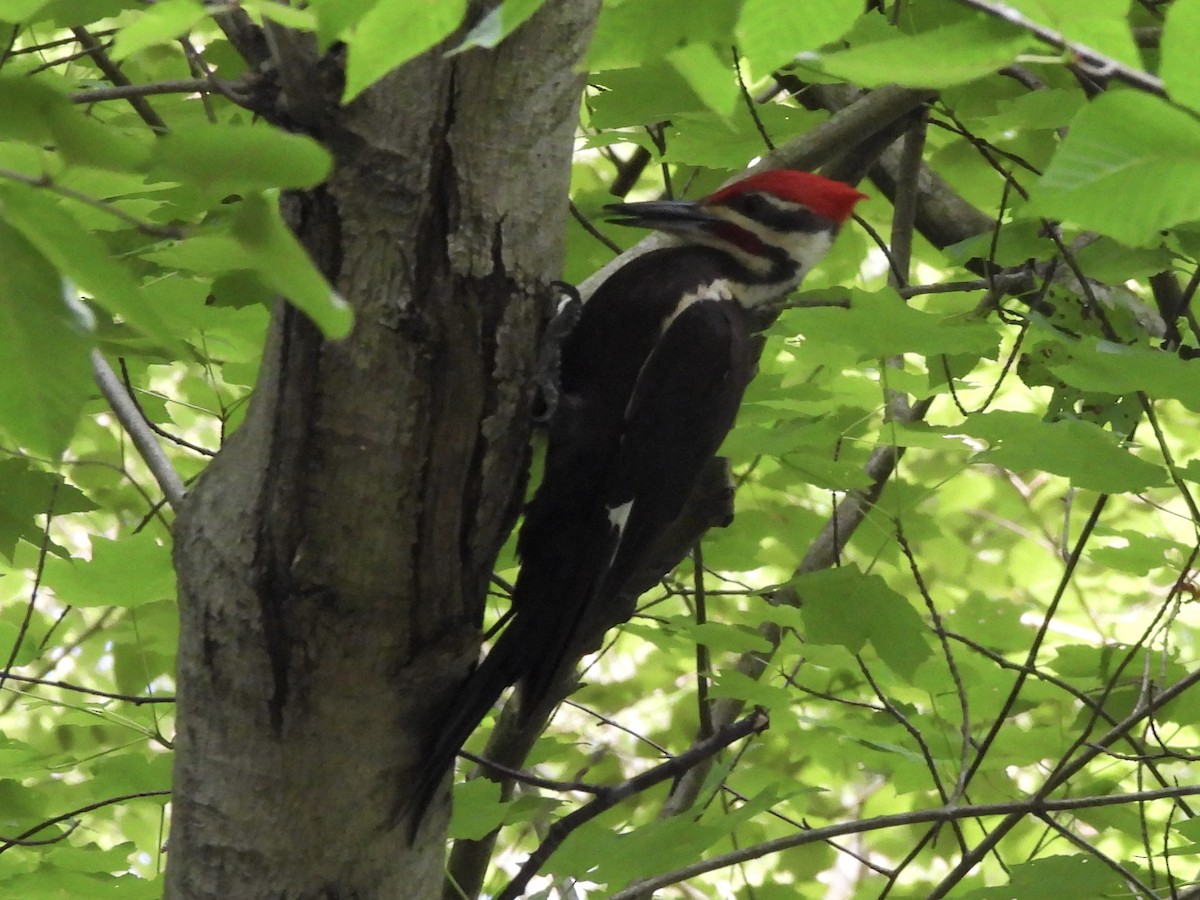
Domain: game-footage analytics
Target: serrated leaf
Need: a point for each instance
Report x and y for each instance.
(27, 492)
(161, 23)
(1055, 877)
(847, 608)
(880, 324)
(772, 32)
(721, 637)
(280, 261)
(1181, 37)
(45, 375)
(742, 687)
(709, 76)
(498, 24)
(1081, 451)
(81, 257)
(229, 159)
(129, 572)
(629, 35)
(1118, 369)
(477, 809)
(391, 33)
(1129, 146)
(939, 58)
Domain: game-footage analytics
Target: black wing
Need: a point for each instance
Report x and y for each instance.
(614, 479)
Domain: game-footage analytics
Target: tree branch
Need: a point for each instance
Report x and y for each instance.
(127, 414)
(114, 74)
(755, 723)
(183, 86)
(1094, 64)
(942, 814)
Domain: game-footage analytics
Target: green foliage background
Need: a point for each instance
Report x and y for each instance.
(1001, 627)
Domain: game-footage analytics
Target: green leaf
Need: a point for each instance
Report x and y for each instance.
(846, 608)
(335, 18)
(1181, 37)
(711, 77)
(1097, 365)
(392, 33)
(283, 264)
(641, 96)
(161, 23)
(721, 637)
(127, 573)
(1081, 451)
(498, 24)
(81, 257)
(228, 159)
(1134, 552)
(736, 684)
(288, 16)
(477, 809)
(1053, 878)
(880, 324)
(771, 33)
(635, 32)
(45, 375)
(27, 492)
(1099, 25)
(952, 54)
(21, 10)
(1123, 144)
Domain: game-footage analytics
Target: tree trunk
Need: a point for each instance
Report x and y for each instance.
(334, 558)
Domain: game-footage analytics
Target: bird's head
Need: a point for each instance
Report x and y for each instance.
(777, 224)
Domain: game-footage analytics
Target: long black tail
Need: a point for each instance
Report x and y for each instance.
(553, 598)
(481, 690)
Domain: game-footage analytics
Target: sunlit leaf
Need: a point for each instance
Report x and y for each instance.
(128, 572)
(158, 24)
(845, 607)
(45, 375)
(939, 58)
(391, 33)
(1080, 451)
(282, 263)
(1124, 144)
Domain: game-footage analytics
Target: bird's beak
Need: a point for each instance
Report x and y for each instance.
(678, 216)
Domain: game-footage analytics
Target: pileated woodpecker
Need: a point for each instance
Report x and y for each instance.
(651, 379)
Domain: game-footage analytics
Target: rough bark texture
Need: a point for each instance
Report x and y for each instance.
(333, 560)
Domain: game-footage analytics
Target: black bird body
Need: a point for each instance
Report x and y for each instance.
(651, 379)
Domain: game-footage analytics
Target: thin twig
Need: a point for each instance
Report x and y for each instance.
(37, 584)
(182, 86)
(16, 841)
(754, 723)
(941, 814)
(143, 438)
(1094, 63)
(114, 74)
(45, 183)
(135, 699)
(161, 432)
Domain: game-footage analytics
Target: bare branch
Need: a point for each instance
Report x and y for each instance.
(135, 699)
(1093, 63)
(672, 768)
(114, 74)
(103, 205)
(183, 86)
(942, 814)
(143, 438)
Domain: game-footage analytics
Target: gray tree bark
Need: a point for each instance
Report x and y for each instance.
(334, 559)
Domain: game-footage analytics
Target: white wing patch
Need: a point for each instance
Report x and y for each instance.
(618, 516)
(713, 290)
